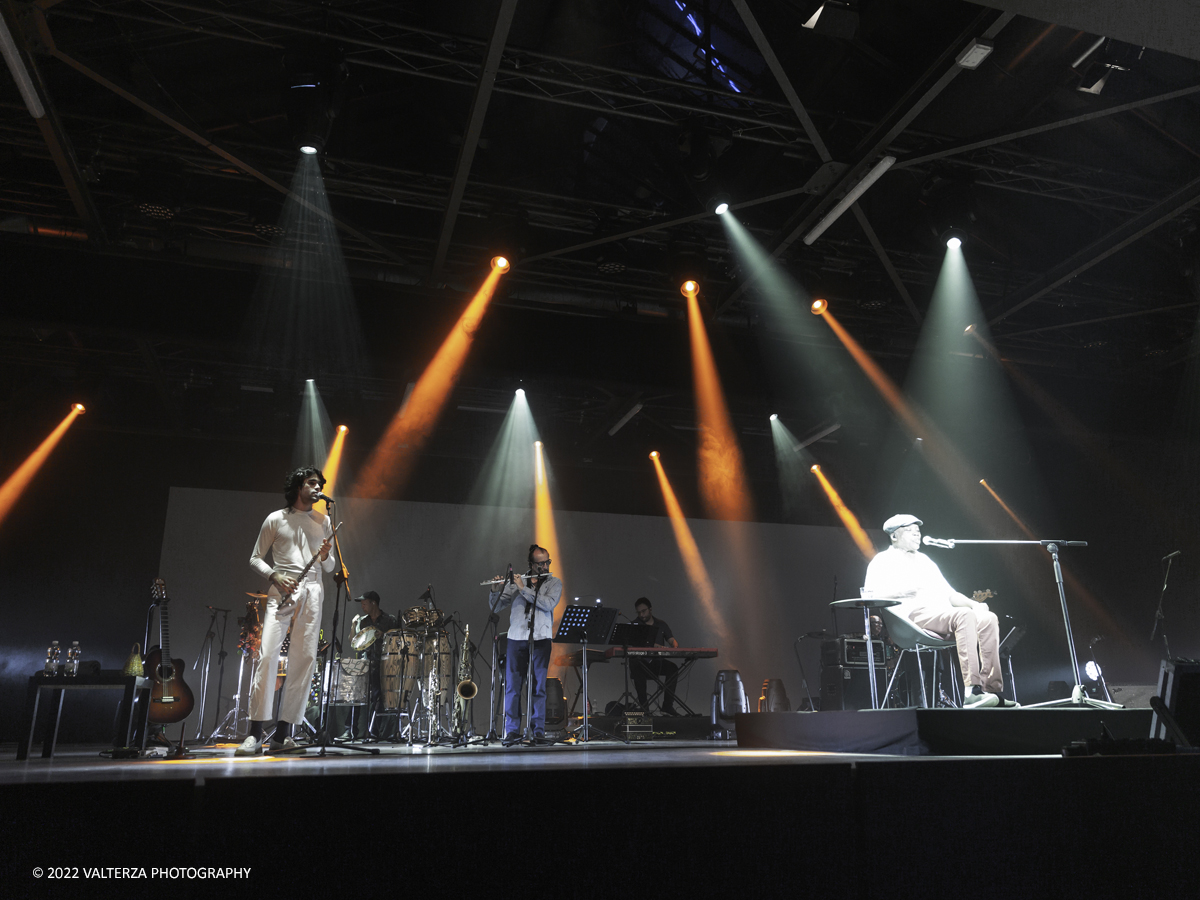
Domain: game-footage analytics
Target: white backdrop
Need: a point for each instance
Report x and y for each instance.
(398, 548)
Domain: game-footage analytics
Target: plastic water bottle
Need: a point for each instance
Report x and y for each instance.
(53, 655)
(73, 656)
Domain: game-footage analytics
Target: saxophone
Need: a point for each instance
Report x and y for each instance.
(466, 690)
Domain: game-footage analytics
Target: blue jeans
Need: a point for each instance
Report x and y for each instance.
(515, 667)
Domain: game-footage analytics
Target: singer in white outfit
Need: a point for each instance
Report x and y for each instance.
(904, 573)
(293, 536)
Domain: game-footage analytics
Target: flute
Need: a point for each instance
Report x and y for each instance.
(504, 578)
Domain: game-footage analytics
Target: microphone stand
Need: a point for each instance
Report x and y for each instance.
(1078, 698)
(1158, 614)
(324, 741)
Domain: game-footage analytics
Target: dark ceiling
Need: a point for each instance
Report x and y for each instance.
(137, 215)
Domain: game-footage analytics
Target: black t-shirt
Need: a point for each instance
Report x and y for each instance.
(664, 631)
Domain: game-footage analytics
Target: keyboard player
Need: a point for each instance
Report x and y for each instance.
(639, 669)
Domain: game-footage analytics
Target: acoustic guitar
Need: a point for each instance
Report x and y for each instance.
(170, 699)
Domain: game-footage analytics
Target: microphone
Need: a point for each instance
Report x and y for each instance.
(319, 496)
(1172, 555)
(937, 542)
(218, 609)
(1094, 641)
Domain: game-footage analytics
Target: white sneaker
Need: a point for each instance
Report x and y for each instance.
(251, 746)
(976, 698)
(286, 744)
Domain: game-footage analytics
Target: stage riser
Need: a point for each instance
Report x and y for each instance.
(940, 732)
(872, 829)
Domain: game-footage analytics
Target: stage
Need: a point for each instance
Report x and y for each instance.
(665, 817)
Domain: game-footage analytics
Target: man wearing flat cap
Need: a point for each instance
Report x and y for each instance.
(904, 573)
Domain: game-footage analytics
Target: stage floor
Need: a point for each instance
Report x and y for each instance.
(75, 763)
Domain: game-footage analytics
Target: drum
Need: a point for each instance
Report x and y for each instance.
(391, 669)
(365, 638)
(350, 682)
(420, 617)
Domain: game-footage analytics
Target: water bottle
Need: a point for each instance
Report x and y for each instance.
(73, 656)
(53, 654)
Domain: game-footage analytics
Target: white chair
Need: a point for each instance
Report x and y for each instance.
(911, 639)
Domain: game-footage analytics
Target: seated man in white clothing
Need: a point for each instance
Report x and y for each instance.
(905, 573)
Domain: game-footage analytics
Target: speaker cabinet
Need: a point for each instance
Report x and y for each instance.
(849, 687)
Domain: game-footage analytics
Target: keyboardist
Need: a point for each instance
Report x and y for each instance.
(640, 669)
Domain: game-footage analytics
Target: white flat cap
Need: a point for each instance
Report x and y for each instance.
(899, 521)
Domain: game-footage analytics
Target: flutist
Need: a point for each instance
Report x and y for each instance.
(533, 598)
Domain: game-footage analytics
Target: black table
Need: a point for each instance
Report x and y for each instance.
(137, 690)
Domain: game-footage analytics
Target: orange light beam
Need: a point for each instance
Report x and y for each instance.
(393, 458)
(1012, 515)
(722, 474)
(332, 463)
(848, 518)
(1076, 586)
(545, 534)
(693, 563)
(12, 489)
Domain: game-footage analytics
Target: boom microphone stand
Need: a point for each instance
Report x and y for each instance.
(324, 741)
(1158, 614)
(1078, 697)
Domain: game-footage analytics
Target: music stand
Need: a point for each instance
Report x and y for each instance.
(581, 625)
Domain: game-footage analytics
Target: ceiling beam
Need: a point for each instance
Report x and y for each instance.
(926, 89)
(785, 83)
(50, 125)
(1005, 137)
(1099, 250)
(466, 154)
(224, 154)
(1076, 324)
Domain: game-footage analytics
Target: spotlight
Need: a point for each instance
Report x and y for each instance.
(343, 429)
(774, 417)
(1092, 670)
(520, 392)
(689, 287)
(718, 204)
(501, 263)
(814, 468)
(654, 454)
(308, 149)
(79, 408)
(819, 306)
(970, 329)
(537, 443)
(954, 238)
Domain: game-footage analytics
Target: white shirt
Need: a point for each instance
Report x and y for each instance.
(896, 572)
(548, 596)
(292, 537)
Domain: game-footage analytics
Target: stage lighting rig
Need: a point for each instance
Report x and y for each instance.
(689, 287)
(501, 263)
(819, 306)
(79, 408)
(953, 238)
(718, 204)
(1115, 56)
(314, 86)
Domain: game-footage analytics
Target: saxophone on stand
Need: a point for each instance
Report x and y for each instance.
(466, 690)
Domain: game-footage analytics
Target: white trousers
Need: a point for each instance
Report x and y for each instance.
(305, 608)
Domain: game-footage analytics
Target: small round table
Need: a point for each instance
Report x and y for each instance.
(866, 604)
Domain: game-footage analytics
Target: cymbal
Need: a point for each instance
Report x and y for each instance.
(257, 596)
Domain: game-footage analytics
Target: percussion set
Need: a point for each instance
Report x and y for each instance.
(416, 668)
